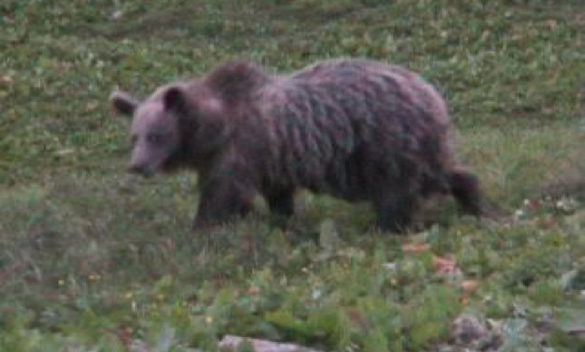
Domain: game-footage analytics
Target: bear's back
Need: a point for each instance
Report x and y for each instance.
(377, 79)
(335, 123)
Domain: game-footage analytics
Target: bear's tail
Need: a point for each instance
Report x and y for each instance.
(466, 190)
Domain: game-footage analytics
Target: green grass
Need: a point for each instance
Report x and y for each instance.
(92, 259)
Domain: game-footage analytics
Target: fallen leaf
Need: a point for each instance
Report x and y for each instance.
(5, 80)
(357, 318)
(92, 105)
(445, 266)
(469, 285)
(64, 152)
(254, 291)
(416, 248)
(552, 24)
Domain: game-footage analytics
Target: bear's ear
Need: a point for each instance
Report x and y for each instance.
(174, 99)
(124, 103)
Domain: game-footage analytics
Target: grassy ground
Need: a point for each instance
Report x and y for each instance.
(92, 259)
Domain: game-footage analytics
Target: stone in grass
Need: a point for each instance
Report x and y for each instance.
(573, 280)
(329, 239)
(469, 332)
(236, 343)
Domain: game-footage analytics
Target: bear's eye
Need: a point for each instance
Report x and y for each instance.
(155, 138)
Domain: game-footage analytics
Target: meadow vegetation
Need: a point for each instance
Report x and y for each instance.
(94, 259)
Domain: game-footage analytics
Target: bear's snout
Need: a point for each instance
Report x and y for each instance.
(139, 169)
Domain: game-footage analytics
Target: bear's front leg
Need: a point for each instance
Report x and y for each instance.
(222, 200)
(395, 209)
(281, 202)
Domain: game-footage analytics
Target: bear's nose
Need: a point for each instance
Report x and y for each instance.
(135, 169)
(139, 169)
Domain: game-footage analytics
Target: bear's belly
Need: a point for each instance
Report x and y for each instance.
(343, 182)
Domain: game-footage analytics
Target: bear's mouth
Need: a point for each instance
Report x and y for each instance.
(142, 170)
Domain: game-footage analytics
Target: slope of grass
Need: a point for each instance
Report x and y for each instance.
(93, 259)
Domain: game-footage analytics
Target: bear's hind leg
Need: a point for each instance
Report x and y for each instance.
(466, 190)
(395, 210)
(281, 202)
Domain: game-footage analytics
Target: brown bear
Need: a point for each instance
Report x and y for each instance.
(352, 128)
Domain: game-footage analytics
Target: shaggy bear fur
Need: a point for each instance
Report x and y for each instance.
(354, 129)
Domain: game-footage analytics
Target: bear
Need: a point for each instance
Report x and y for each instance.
(356, 129)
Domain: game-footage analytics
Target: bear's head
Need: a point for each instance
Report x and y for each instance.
(172, 128)
(186, 124)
